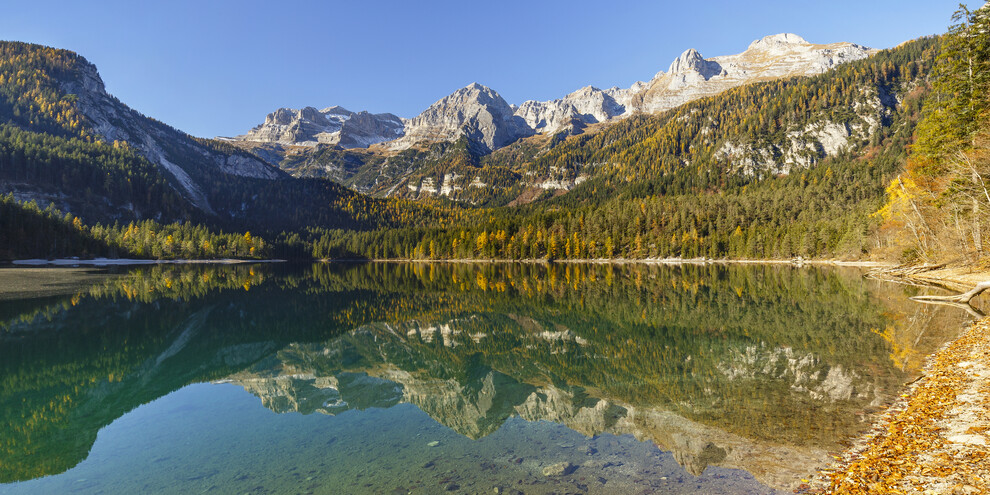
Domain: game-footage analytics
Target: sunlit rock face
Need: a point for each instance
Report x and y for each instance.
(332, 125)
(588, 105)
(691, 76)
(802, 147)
(476, 112)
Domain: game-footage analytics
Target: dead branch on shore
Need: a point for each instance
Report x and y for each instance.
(963, 298)
(975, 313)
(903, 274)
(905, 270)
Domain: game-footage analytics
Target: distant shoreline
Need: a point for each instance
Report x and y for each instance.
(127, 262)
(620, 261)
(37, 262)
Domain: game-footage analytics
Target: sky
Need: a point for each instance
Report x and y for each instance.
(216, 68)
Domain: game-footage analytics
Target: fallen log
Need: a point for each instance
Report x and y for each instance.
(959, 298)
(903, 271)
(975, 313)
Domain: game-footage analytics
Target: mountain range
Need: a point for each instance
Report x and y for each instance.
(428, 155)
(383, 152)
(481, 115)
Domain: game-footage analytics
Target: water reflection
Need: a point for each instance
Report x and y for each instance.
(763, 368)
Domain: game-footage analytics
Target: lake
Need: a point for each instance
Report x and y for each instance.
(467, 378)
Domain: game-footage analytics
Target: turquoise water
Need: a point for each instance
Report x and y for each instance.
(216, 439)
(414, 378)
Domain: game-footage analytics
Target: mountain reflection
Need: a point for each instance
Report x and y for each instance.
(765, 368)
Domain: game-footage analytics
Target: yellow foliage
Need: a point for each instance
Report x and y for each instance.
(900, 192)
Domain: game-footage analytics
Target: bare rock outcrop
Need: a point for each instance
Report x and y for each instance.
(474, 111)
(333, 125)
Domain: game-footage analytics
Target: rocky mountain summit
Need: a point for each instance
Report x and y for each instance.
(333, 125)
(588, 105)
(474, 111)
(485, 118)
(781, 55)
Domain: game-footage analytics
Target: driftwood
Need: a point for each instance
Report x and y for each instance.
(902, 274)
(906, 270)
(975, 313)
(898, 280)
(963, 298)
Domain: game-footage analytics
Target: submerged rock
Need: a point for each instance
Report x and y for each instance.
(559, 469)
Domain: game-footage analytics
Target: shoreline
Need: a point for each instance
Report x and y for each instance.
(619, 261)
(599, 261)
(935, 437)
(956, 278)
(70, 262)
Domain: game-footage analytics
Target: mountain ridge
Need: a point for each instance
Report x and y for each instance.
(487, 119)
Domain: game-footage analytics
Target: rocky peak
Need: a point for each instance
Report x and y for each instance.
(585, 92)
(475, 111)
(312, 114)
(587, 105)
(781, 55)
(287, 116)
(776, 41)
(689, 60)
(332, 125)
(692, 62)
(473, 93)
(282, 116)
(480, 114)
(337, 110)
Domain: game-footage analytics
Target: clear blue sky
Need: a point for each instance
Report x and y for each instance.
(217, 68)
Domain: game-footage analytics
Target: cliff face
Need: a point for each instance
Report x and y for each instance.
(183, 158)
(773, 57)
(476, 112)
(333, 125)
(588, 105)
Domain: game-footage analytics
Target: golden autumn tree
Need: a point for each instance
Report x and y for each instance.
(937, 209)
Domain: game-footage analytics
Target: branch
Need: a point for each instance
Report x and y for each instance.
(975, 313)
(960, 298)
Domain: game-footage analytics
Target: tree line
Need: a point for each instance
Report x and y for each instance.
(32, 232)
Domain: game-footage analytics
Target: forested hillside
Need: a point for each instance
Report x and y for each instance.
(32, 232)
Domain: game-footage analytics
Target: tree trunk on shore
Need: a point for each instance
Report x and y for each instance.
(960, 298)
